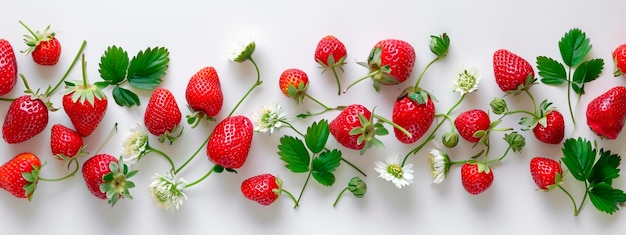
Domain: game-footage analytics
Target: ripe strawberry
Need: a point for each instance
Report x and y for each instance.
(44, 47)
(606, 113)
(162, 116)
(545, 172)
(19, 176)
(264, 188)
(390, 62)
(230, 142)
(331, 53)
(27, 117)
(204, 95)
(345, 122)
(553, 131)
(8, 67)
(293, 83)
(65, 143)
(470, 122)
(619, 59)
(476, 177)
(416, 115)
(107, 178)
(512, 72)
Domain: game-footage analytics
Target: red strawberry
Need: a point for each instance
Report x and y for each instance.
(345, 122)
(512, 72)
(476, 177)
(470, 122)
(106, 177)
(416, 115)
(606, 113)
(85, 104)
(293, 83)
(162, 116)
(230, 142)
(44, 46)
(264, 188)
(331, 53)
(8, 67)
(65, 143)
(204, 95)
(553, 131)
(619, 59)
(390, 62)
(19, 176)
(27, 117)
(545, 172)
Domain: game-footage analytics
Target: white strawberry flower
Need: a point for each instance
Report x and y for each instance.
(467, 81)
(167, 191)
(391, 170)
(268, 118)
(134, 145)
(439, 165)
(244, 52)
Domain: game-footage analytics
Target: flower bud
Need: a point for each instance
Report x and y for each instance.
(498, 105)
(357, 187)
(450, 139)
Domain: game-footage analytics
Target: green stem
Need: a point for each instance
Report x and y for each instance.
(385, 120)
(108, 138)
(80, 52)
(84, 69)
(522, 111)
(316, 101)
(193, 155)
(73, 160)
(7, 99)
(419, 79)
(571, 199)
(582, 202)
(29, 30)
(291, 196)
(569, 92)
(163, 154)
(336, 79)
(256, 84)
(532, 98)
(303, 187)
(360, 79)
(501, 157)
(202, 178)
(339, 196)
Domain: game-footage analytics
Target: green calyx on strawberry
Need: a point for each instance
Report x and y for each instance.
(108, 177)
(43, 46)
(294, 83)
(20, 175)
(367, 132)
(548, 125)
(331, 53)
(476, 178)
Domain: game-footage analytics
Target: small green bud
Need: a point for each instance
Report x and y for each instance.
(245, 53)
(515, 140)
(357, 187)
(450, 139)
(498, 105)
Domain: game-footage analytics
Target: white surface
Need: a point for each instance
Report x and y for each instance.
(202, 34)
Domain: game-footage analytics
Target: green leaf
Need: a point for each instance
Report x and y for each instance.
(551, 71)
(317, 136)
(295, 155)
(148, 67)
(439, 44)
(579, 157)
(605, 169)
(605, 198)
(124, 97)
(325, 165)
(587, 72)
(574, 46)
(113, 65)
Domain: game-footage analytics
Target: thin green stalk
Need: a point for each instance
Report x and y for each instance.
(257, 83)
(339, 196)
(532, 98)
(7, 99)
(336, 79)
(303, 187)
(202, 178)
(80, 51)
(570, 198)
(419, 79)
(360, 79)
(569, 92)
(73, 160)
(291, 196)
(316, 101)
(385, 120)
(151, 149)
(193, 155)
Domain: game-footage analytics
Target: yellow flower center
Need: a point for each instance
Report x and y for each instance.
(395, 170)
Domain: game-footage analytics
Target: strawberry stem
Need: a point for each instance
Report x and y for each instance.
(339, 196)
(193, 155)
(163, 154)
(7, 99)
(291, 196)
(203, 177)
(303, 187)
(73, 160)
(80, 51)
(256, 84)
(84, 68)
(385, 120)
(360, 79)
(332, 68)
(30, 31)
(419, 79)
(111, 133)
(569, 100)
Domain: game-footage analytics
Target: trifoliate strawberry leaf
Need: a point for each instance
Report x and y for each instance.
(295, 155)
(124, 97)
(113, 65)
(147, 68)
(551, 71)
(324, 165)
(586, 72)
(317, 136)
(574, 46)
(605, 169)
(605, 198)
(579, 156)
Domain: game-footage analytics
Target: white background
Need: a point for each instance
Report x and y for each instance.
(201, 33)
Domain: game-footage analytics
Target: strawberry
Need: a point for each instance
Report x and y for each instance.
(415, 112)
(162, 116)
(263, 188)
(19, 176)
(513, 73)
(545, 172)
(204, 95)
(470, 122)
(230, 142)
(293, 83)
(553, 131)
(390, 62)
(619, 59)
(27, 117)
(107, 178)
(331, 53)
(476, 177)
(606, 113)
(44, 47)
(8, 67)
(85, 104)
(65, 143)
(345, 122)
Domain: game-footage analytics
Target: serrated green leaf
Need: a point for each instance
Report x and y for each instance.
(101, 85)
(147, 68)
(579, 156)
(605, 198)
(317, 136)
(574, 46)
(113, 65)
(295, 155)
(594, 69)
(124, 97)
(551, 71)
(605, 169)
(324, 165)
